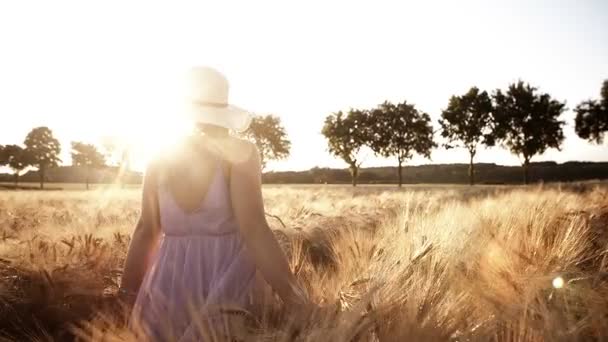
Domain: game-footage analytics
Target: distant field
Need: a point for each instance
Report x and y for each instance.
(62, 186)
(388, 187)
(425, 263)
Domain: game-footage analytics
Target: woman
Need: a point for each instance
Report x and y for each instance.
(202, 234)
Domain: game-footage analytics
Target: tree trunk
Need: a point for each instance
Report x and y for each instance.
(87, 177)
(399, 169)
(121, 179)
(471, 170)
(41, 174)
(124, 166)
(526, 170)
(16, 179)
(354, 173)
(262, 161)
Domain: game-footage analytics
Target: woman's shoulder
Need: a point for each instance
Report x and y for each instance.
(240, 144)
(169, 155)
(238, 150)
(234, 150)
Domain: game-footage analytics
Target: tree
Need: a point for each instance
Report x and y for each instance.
(400, 131)
(467, 123)
(88, 156)
(346, 135)
(44, 150)
(270, 137)
(591, 122)
(3, 157)
(17, 158)
(527, 122)
(118, 153)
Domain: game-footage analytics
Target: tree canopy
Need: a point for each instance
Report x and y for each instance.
(44, 150)
(17, 158)
(400, 130)
(346, 134)
(591, 122)
(3, 156)
(527, 122)
(467, 123)
(88, 156)
(270, 137)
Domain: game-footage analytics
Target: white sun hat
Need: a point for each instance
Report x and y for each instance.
(207, 100)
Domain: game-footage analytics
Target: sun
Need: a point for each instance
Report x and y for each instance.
(156, 138)
(158, 122)
(146, 138)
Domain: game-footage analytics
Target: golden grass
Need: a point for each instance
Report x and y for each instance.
(440, 265)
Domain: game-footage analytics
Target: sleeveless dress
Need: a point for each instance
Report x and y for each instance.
(201, 262)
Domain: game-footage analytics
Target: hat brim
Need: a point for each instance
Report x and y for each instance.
(230, 117)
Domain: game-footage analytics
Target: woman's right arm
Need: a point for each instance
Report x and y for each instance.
(145, 236)
(248, 206)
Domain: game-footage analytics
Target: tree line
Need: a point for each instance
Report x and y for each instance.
(520, 118)
(454, 173)
(41, 150)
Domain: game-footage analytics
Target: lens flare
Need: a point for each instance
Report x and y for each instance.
(558, 282)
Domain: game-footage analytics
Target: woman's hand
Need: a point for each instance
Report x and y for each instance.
(297, 295)
(126, 297)
(145, 237)
(248, 207)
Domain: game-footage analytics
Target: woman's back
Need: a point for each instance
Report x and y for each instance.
(194, 193)
(200, 207)
(201, 260)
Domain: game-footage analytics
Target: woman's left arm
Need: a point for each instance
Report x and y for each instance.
(145, 237)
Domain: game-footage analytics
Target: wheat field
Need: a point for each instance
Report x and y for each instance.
(420, 264)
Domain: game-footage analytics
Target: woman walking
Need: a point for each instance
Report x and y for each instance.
(202, 234)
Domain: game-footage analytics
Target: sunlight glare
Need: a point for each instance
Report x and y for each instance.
(558, 282)
(160, 122)
(158, 137)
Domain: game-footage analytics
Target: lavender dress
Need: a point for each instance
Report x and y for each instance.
(201, 262)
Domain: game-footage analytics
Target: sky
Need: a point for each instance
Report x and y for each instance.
(93, 69)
